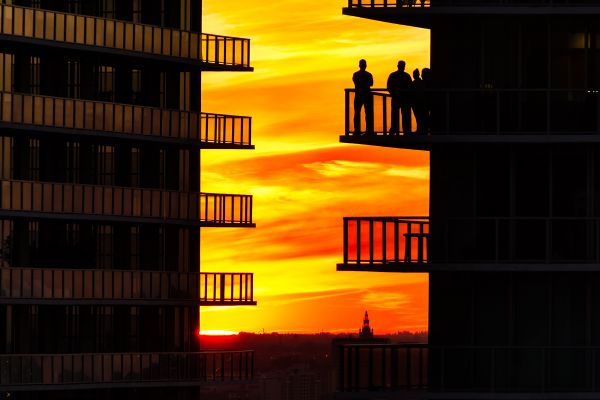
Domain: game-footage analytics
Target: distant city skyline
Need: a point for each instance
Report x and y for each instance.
(304, 181)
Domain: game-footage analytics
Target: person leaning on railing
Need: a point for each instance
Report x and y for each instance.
(363, 81)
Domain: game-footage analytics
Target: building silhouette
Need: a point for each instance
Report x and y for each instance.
(101, 207)
(365, 332)
(512, 240)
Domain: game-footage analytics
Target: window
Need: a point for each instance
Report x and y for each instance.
(136, 86)
(106, 83)
(34, 75)
(34, 160)
(107, 9)
(73, 79)
(105, 165)
(104, 247)
(6, 157)
(135, 167)
(137, 11)
(135, 248)
(73, 162)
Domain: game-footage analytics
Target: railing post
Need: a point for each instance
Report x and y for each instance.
(345, 240)
(347, 107)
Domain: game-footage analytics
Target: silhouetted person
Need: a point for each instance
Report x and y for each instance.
(399, 85)
(419, 104)
(363, 81)
(427, 106)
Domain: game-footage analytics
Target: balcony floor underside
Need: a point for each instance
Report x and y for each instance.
(427, 16)
(426, 142)
(116, 385)
(35, 46)
(15, 129)
(475, 267)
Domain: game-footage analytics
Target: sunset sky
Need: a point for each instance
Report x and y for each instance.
(303, 180)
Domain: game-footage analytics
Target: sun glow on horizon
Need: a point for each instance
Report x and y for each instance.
(217, 332)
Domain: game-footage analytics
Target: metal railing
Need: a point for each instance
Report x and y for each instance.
(491, 111)
(32, 23)
(385, 240)
(115, 368)
(64, 198)
(64, 113)
(372, 243)
(485, 369)
(475, 3)
(110, 285)
(219, 288)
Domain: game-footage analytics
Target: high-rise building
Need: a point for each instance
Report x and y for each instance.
(100, 203)
(512, 241)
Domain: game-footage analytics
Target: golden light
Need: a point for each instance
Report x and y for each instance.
(216, 332)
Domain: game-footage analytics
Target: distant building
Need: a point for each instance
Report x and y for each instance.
(366, 332)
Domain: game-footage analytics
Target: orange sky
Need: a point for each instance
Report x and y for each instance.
(304, 53)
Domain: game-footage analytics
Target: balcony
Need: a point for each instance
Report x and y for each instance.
(385, 244)
(420, 244)
(486, 116)
(106, 203)
(105, 370)
(123, 121)
(226, 289)
(94, 286)
(34, 27)
(468, 370)
(422, 13)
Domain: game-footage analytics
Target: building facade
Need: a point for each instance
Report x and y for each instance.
(511, 243)
(101, 207)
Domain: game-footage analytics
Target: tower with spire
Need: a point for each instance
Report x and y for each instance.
(365, 332)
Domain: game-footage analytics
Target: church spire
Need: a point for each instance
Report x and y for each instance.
(365, 332)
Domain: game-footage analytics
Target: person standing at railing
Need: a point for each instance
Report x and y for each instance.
(419, 104)
(363, 81)
(400, 86)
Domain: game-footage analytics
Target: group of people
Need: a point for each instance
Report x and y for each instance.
(408, 96)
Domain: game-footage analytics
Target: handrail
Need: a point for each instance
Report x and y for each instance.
(33, 23)
(221, 288)
(34, 370)
(487, 111)
(66, 198)
(115, 118)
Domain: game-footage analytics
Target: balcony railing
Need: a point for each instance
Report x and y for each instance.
(123, 119)
(408, 243)
(34, 284)
(208, 209)
(218, 288)
(480, 3)
(468, 369)
(492, 112)
(379, 241)
(108, 369)
(62, 28)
